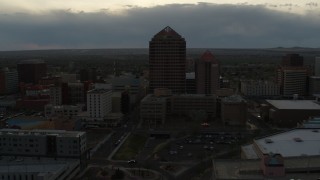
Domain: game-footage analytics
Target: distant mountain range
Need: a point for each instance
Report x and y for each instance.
(133, 51)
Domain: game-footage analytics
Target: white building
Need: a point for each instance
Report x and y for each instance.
(42, 143)
(99, 110)
(292, 143)
(259, 88)
(99, 103)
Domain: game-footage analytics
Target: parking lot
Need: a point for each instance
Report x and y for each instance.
(199, 147)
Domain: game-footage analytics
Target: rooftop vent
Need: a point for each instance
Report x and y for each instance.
(268, 141)
(297, 139)
(315, 130)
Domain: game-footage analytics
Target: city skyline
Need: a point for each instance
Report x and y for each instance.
(228, 24)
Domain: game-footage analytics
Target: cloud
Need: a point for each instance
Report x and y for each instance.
(202, 25)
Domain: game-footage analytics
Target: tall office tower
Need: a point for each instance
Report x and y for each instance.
(8, 81)
(31, 71)
(167, 61)
(292, 80)
(292, 60)
(207, 74)
(317, 66)
(88, 74)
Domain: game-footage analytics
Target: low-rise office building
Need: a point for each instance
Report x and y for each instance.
(25, 168)
(259, 88)
(182, 104)
(156, 107)
(42, 143)
(66, 111)
(234, 110)
(288, 113)
(153, 109)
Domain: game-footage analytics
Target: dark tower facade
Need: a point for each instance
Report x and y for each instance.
(207, 74)
(292, 60)
(31, 71)
(167, 61)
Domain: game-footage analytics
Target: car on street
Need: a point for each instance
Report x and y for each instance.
(132, 161)
(172, 152)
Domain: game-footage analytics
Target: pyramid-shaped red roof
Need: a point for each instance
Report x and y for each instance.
(208, 57)
(167, 31)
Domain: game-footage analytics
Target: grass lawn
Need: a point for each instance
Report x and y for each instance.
(131, 147)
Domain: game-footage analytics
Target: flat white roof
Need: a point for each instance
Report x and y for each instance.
(294, 104)
(296, 142)
(60, 133)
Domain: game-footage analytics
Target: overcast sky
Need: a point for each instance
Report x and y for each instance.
(59, 24)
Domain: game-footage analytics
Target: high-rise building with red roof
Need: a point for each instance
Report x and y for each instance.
(167, 61)
(207, 74)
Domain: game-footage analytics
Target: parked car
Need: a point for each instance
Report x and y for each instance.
(132, 161)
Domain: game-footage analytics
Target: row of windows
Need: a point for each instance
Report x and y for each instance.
(17, 177)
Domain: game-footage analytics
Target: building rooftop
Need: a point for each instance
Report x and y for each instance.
(194, 95)
(208, 57)
(153, 98)
(99, 91)
(294, 104)
(37, 132)
(167, 32)
(234, 99)
(293, 143)
(126, 80)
